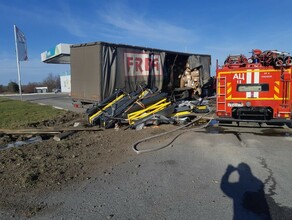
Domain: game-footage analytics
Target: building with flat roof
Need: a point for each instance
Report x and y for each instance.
(41, 89)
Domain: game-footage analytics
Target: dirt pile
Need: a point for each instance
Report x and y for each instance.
(38, 168)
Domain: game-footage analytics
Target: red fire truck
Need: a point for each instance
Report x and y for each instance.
(256, 89)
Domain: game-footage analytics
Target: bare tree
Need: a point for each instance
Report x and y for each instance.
(52, 82)
(30, 87)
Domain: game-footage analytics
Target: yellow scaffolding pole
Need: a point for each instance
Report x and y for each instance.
(181, 114)
(150, 110)
(98, 113)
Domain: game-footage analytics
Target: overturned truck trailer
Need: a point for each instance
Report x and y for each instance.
(99, 68)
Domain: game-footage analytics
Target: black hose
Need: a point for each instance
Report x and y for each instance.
(134, 147)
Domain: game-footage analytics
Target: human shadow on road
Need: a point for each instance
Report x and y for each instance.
(249, 201)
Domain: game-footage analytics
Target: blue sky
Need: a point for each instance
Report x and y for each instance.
(218, 28)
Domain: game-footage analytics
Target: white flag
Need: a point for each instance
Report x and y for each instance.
(21, 45)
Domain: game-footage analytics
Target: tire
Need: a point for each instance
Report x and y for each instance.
(289, 124)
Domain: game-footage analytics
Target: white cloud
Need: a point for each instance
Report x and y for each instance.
(70, 21)
(61, 16)
(112, 21)
(128, 23)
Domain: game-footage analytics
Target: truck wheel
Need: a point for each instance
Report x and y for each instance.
(225, 122)
(289, 124)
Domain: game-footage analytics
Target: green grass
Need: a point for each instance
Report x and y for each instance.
(15, 113)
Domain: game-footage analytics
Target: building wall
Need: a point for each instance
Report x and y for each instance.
(65, 83)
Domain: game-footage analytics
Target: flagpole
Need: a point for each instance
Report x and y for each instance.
(17, 62)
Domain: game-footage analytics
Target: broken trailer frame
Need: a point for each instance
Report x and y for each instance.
(99, 68)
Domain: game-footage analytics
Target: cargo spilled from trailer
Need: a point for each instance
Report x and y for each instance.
(99, 68)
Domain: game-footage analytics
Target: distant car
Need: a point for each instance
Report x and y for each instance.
(56, 90)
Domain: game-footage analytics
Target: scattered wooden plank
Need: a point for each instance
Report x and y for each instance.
(59, 137)
(48, 130)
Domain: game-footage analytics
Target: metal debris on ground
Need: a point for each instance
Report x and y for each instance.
(21, 143)
(144, 107)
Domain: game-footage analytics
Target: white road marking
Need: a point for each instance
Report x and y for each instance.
(56, 107)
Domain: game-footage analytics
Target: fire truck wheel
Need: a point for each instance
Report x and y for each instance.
(225, 122)
(289, 124)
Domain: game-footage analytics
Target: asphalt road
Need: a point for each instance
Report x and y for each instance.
(58, 100)
(218, 173)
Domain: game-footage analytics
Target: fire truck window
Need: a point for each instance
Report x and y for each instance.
(252, 87)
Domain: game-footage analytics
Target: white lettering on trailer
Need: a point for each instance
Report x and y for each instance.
(139, 64)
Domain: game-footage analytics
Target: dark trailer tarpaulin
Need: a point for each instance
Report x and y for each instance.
(97, 69)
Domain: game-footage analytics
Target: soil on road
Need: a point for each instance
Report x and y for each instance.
(35, 169)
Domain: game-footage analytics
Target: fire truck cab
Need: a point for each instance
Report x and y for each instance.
(257, 89)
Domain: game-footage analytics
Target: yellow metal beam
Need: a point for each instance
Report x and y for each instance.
(150, 110)
(92, 117)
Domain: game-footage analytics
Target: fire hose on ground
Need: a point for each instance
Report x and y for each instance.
(134, 147)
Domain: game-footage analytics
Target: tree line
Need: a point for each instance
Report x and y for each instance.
(51, 81)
